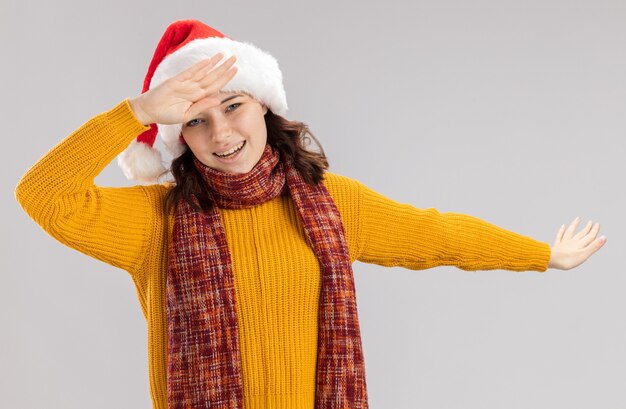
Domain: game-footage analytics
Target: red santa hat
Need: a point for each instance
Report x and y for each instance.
(185, 43)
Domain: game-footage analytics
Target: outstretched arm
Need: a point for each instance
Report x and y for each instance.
(571, 250)
(399, 234)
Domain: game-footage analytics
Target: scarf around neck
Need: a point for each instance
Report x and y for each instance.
(203, 356)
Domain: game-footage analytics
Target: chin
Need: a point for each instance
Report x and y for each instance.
(244, 170)
(235, 171)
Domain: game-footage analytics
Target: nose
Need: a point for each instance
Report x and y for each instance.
(221, 130)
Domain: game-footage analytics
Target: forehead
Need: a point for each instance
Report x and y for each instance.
(223, 94)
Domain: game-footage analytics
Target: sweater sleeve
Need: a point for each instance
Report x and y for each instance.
(59, 194)
(398, 234)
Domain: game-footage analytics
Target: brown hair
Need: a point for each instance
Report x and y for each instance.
(290, 138)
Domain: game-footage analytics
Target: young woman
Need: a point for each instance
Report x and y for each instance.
(242, 263)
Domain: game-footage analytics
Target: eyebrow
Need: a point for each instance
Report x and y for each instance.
(231, 97)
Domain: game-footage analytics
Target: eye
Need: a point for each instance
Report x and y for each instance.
(232, 107)
(193, 122)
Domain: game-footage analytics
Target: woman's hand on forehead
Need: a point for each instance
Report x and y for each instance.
(182, 97)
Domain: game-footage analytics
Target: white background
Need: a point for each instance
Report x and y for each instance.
(511, 111)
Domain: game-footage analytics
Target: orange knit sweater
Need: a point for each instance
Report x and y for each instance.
(277, 276)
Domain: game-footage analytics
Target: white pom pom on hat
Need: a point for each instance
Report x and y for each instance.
(184, 43)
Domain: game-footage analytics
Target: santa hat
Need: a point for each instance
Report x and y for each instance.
(185, 43)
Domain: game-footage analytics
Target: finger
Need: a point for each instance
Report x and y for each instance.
(200, 66)
(216, 73)
(213, 76)
(559, 235)
(591, 236)
(594, 246)
(570, 230)
(201, 105)
(212, 62)
(223, 80)
(584, 230)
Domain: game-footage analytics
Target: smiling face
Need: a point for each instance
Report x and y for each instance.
(229, 137)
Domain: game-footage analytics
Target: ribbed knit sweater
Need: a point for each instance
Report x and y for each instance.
(277, 277)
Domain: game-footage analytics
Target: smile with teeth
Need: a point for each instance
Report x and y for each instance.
(231, 152)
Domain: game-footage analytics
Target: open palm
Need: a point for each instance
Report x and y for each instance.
(570, 250)
(183, 96)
